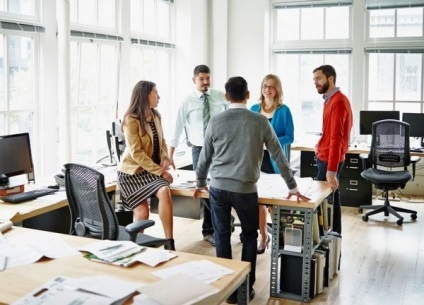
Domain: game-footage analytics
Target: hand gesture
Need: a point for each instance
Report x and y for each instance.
(299, 196)
(197, 191)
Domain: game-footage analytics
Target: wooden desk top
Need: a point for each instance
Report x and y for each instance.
(16, 282)
(271, 190)
(360, 149)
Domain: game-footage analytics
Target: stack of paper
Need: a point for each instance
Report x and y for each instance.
(87, 290)
(125, 253)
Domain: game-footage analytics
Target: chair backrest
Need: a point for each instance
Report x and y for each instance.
(92, 214)
(390, 144)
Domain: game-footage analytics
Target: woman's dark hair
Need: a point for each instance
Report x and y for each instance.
(139, 107)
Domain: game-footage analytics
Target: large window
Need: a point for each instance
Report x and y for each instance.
(395, 55)
(308, 34)
(94, 79)
(17, 98)
(152, 50)
(95, 13)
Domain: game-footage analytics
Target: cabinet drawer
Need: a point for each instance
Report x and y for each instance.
(355, 192)
(352, 166)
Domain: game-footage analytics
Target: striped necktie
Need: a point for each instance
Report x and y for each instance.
(206, 113)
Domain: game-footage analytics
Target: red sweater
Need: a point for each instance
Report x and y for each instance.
(336, 126)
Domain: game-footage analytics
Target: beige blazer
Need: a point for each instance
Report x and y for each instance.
(139, 148)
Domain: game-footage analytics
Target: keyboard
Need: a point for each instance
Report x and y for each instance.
(28, 195)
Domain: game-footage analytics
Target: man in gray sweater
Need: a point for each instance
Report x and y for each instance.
(232, 153)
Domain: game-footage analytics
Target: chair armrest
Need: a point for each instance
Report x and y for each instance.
(414, 161)
(364, 158)
(138, 226)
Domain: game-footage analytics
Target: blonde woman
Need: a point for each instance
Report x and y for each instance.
(279, 115)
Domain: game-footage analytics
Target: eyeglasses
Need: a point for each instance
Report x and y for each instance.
(264, 87)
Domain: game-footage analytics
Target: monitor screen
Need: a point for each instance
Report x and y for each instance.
(367, 117)
(416, 123)
(15, 156)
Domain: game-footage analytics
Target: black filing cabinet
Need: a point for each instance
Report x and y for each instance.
(354, 189)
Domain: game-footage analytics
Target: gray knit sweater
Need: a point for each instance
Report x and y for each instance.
(233, 152)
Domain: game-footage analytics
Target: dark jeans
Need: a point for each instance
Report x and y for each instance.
(207, 227)
(334, 198)
(247, 209)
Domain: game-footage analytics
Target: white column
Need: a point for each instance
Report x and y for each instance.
(64, 57)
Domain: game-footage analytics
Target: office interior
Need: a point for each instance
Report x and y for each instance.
(69, 66)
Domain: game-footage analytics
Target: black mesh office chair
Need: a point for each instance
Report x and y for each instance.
(389, 158)
(92, 214)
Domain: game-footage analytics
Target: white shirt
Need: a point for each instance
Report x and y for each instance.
(190, 115)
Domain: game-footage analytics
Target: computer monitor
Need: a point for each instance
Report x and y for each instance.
(367, 117)
(15, 157)
(118, 139)
(416, 125)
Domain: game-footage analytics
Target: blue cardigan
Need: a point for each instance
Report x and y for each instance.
(282, 123)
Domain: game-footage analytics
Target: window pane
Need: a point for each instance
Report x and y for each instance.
(87, 12)
(108, 76)
(380, 106)
(88, 74)
(408, 107)
(2, 78)
(337, 22)
(312, 23)
(20, 72)
(74, 72)
(107, 13)
(410, 22)
(23, 7)
(149, 16)
(20, 122)
(135, 13)
(2, 124)
(148, 65)
(381, 76)
(288, 24)
(163, 19)
(382, 23)
(408, 77)
(136, 64)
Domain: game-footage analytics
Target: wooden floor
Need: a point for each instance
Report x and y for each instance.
(382, 263)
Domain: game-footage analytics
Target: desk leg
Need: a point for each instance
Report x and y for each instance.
(243, 292)
(275, 246)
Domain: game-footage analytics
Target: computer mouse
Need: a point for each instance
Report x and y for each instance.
(56, 186)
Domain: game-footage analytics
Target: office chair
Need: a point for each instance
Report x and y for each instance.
(93, 215)
(389, 150)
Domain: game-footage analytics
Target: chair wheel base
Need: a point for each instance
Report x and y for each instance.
(400, 221)
(365, 218)
(414, 216)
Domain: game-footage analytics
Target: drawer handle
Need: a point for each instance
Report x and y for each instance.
(354, 160)
(353, 167)
(353, 182)
(353, 189)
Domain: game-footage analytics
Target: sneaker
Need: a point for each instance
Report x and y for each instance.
(232, 299)
(210, 239)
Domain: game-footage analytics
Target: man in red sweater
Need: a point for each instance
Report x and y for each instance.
(334, 143)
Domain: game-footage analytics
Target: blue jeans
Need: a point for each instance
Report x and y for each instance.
(207, 227)
(247, 209)
(334, 198)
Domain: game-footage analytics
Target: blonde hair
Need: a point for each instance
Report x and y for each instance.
(278, 87)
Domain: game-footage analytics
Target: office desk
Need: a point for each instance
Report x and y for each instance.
(16, 282)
